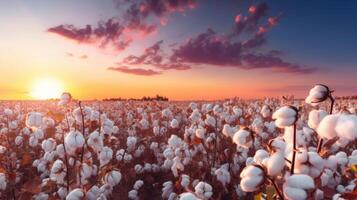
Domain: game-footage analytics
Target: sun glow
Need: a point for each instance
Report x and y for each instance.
(46, 89)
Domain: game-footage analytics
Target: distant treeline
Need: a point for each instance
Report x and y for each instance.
(156, 98)
(347, 97)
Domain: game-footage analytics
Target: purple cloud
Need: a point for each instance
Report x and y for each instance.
(135, 71)
(104, 34)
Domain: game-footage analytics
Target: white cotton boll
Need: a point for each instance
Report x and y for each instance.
(18, 141)
(265, 111)
(315, 117)
(33, 141)
(138, 184)
(65, 99)
(8, 112)
(300, 181)
(93, 193)
(174, 141)
(276, 164)
(223, 175)
(249, 161)
(352, 159)
(138, 169)
(174, 123)
(185, 180)
(74, 140)
(285, 112)
(107, 127)
(112, 178)
(295, 193)
(284, 122)
(62, 192)
(167, 189)
(210, 121)
(203, 190)
(317, 94)
(57, 167)
(177, 166)
(251, 178)
(105, 156)
(188, 196)
(131, 142)
(34, 120)
(229, 131)
(144, 124)
(39, 134)
(260, 155)
(3, 181)
(347, 127)
(166, 113)
(40, 196)
(193, 105)
(76, 194)
(342, 158)
(95, 141)
(87, 112)
(169, 153)
(243, 138)
(237, 111)
(133, 194)
(2, 149)
(278, 145)
(49, 145)
(200, 132)
(319, 194)
(326, 128)
(195, 115)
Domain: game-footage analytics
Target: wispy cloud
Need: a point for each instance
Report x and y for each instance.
(135, 71)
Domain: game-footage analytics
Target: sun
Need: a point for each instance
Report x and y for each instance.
(46, 89)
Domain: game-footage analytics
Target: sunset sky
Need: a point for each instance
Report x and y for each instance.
(182, 49)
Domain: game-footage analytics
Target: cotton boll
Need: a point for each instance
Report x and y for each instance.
(223, 175)
(315, 117)
(203, 190)
(87, 112)
(175, 142)
(229, 131)
(174, 123)
(34, 120)
(252, 176)
(188, 196)
(326, 128)
(93, 193)
(131, 142)
(74, 139)
(48, 145)
(8, 112)
(167, 189)
(276, 164)
(65, 99)
(112, 178)
(260, 155)
(133, 194)
(18, 141)
(200, 132)
(296, 185)
(95, 141)
(210, 121)
(346, 127)
(177, 166)
(295, 193)
(185, 180)
(300, 181)
(105, 156)
(107, 127)
(3, 181)
(76, 194)
(243, 138)
(317, 94)
(265, 111)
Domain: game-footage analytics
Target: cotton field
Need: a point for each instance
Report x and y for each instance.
(233, 149)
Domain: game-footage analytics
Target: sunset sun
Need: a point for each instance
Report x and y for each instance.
(46, 89)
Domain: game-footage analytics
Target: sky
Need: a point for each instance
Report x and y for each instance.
(182, 49)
